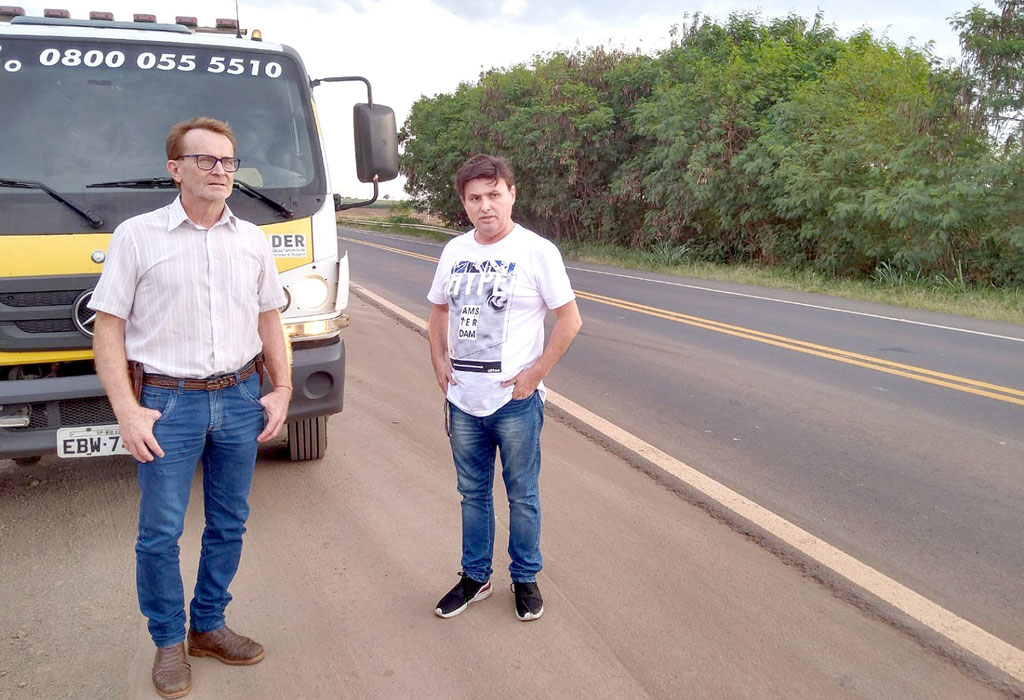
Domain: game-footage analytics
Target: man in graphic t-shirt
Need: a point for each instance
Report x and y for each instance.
(493, 287)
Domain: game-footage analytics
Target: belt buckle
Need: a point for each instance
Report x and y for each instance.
(220, 382)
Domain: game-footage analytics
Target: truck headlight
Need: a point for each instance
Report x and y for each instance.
(310, 292)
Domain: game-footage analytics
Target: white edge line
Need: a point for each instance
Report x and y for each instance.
(397, 310)
(963, 633)
(799, 303)
(967, 635)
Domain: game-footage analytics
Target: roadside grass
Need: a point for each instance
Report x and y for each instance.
(388, 227)
(888, 285)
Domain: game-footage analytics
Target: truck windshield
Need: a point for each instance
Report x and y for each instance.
(75, 112)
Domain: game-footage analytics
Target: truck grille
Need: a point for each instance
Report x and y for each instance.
(49, 325)
(94, 411)
(38, 313)
(38, 420)
(62, 297)
(90, 411)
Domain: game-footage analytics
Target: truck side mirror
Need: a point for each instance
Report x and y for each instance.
(376, 143)
(337, 202)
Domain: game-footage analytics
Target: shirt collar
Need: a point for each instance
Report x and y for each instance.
(176, 216)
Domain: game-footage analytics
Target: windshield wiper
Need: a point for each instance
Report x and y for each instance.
(253, 192)
(34, 185)
(166, 182)
(140, 183)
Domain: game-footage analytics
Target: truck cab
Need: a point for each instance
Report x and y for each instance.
(86, 105)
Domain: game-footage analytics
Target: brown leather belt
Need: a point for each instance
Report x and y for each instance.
(222, 381)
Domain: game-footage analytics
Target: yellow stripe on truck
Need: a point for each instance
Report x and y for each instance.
(42, 254)
(28, 358)
(39, 255)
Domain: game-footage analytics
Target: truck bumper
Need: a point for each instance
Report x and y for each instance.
(58, 402)
(318, 381)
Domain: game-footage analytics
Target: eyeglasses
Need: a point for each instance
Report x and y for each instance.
(207, 162)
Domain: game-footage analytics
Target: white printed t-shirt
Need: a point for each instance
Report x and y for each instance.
(497, 297)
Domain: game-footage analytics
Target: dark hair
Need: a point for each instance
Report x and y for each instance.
(178, 131)
(483, 167)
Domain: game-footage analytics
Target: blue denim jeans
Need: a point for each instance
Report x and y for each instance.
(514, 432)
(219, 428)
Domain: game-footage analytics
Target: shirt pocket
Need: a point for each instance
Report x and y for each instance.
(245, 282)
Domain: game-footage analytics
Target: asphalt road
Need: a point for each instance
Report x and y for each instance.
(646, 596)
(892, 434)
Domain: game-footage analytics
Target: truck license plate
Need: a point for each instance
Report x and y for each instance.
(92, 441)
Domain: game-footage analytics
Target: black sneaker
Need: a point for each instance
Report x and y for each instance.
(466, 591)
(529, 603)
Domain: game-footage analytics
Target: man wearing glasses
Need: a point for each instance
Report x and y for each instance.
(189, 296)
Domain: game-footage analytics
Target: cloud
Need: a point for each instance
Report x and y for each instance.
(538, 12)
(326, 7)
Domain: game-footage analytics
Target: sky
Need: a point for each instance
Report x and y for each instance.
(411, 48)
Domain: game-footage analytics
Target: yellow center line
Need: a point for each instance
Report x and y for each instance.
(921, 374)
(389, 248)
(876, 360)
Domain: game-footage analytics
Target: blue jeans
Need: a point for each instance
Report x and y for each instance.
(220, 428)
(513, 431)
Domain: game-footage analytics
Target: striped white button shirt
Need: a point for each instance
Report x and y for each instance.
(191, 297)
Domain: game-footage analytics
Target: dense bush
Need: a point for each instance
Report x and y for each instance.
(750, 141)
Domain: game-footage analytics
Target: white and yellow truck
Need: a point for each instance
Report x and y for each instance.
(85, 107)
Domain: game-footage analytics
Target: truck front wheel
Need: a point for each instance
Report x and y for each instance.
(307, 439)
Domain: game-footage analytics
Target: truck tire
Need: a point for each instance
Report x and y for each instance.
(307, 439)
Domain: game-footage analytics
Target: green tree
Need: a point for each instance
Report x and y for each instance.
(561, 122)
(993, 47)
(718, 83)
(436, 138)
(750, 140)
(992, 96)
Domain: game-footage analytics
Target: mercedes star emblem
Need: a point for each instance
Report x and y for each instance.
(83, 317)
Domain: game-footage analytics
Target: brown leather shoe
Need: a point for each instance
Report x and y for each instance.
(226, 646)
(172, 675)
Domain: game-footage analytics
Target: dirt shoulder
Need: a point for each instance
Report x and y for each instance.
(646, 596)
